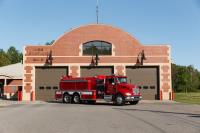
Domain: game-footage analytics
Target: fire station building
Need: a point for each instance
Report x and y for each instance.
(74, 53)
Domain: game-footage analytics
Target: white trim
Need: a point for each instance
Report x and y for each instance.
(23, 72)
(115, 69)
(160, 78)
(33, 79)
(87, 64)
(79, 71)
(113, 50)
(81, 50)
(5, 81)
(170, 68)
(86, 93)
(102, 56)
(165, 95)
(26, 96)
(69, 70)
(123, 71)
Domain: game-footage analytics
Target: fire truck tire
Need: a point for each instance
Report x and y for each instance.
(134, 102)
(76, 98)
(66, 98)
(119, 100)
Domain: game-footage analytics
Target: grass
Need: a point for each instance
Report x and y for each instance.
(190, 98)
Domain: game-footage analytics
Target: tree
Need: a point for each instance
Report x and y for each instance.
(4, 60)
(14, 55)
(185, 78)
(49, 43)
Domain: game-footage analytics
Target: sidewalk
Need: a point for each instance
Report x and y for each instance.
(4, 103)
(158, 101)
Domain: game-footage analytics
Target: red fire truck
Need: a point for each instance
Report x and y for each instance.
(89, 89)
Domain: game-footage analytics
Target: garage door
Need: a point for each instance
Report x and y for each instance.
(47, 81)
(93, 71)
(147, 79)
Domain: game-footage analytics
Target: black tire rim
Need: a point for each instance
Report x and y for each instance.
(76, 99)
(66, 98)
(119, 100)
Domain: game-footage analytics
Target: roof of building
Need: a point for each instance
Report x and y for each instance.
(13, 71)
(90, 29)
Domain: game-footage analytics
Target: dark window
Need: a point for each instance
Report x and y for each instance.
(145, 87)
(55, 87)
(110, 80)
(152, 87)
(100, 81)
(48, 87)
(41, 87)
(97, 47)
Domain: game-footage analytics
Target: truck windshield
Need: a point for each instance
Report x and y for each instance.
(122, 80)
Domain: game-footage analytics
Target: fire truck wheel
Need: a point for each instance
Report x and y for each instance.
(66, 98)
(134, 102)
(76, 98)
(119, 100)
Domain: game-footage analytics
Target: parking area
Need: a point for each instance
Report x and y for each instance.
(146, 117)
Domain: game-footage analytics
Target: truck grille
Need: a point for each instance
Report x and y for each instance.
(136, 91)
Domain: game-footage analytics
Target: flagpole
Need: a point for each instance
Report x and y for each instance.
(97, 11)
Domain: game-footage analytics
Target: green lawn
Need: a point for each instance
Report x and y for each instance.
(191, 98)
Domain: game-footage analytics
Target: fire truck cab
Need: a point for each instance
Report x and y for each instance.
(112, 88)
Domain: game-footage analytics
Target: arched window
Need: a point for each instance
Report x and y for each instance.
(97, 47)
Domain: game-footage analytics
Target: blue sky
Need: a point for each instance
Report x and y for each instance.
(173, 22)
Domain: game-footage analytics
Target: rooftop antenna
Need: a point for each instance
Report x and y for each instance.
(97, 11)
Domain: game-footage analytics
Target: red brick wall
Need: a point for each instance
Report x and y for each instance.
(28, 69)
(74, 71)
(165, 78)
(27, 87)
(120, 70)
(7, 89)
(66, 50)
(68, 44)
(102, 60)
(17, 82)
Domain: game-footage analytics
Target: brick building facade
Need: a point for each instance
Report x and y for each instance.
(44, 65)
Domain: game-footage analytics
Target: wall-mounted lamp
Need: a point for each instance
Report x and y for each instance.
(95, 61)
(49, 59)
(92, 62)
(141, 57)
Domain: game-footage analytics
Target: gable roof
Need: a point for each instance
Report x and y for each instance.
(13, 71)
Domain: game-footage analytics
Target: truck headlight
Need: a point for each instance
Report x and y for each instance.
(128, 94)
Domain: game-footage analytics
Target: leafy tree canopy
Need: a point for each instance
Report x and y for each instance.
(185, 78)
(10, 56)
(49, 43)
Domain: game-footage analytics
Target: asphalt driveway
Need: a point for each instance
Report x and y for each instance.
(146, 117)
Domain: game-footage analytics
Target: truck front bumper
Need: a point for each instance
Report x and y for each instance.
(133, 98)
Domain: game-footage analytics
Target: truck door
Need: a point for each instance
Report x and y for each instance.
(110, 86)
